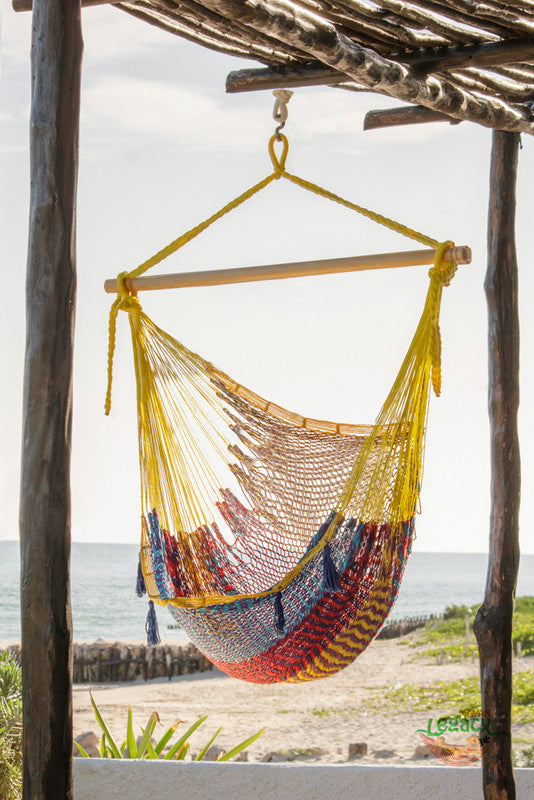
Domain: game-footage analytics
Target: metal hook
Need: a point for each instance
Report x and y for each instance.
(280, 112)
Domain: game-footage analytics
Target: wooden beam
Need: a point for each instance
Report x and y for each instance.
(253, 80)
(323, 42)
(405, 115)
(493, 622)
(298, 269)
(45, 490)
(485, 55)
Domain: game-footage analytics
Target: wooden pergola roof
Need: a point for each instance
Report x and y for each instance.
(467, 59)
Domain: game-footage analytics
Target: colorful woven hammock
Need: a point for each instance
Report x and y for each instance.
(278, 542)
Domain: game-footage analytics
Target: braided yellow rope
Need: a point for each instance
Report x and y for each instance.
(279, 172)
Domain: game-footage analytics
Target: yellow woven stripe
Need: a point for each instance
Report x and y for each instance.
(341, 652)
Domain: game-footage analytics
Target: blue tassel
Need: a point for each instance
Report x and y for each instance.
(330, 576)
(279, 621)
(151, 627)
(140, 588)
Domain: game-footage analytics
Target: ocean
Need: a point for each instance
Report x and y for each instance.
(105, 606)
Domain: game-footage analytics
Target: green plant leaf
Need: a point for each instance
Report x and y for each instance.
(103, 748)
(239, 747)
(151, 753)
(112, 746)
(165, 738)
(147, 733)
(176, 747)
(130, 738)
(204, 750)
(182, 752)
(84, 753)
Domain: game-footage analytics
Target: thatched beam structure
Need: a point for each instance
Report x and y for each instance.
(322, 41)
(493, 623)
(443, 59)
(45, 493)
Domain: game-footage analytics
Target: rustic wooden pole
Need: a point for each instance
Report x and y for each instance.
(45, 492)
(404, 115)
(254, 80)
(493, 623)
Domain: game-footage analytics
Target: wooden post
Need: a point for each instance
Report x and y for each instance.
(493, 623)
(45, 493)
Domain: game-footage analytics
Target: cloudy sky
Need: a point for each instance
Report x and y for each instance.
(162, 147)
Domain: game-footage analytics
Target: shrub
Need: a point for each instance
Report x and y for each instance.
(144, 747)
(10, 728)
(528, 756)
(455, 612)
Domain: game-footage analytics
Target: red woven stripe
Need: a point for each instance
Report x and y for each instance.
(307, 641)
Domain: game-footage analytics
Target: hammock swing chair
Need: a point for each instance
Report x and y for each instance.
(278, 542)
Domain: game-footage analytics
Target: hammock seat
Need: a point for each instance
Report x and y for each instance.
(277, 542)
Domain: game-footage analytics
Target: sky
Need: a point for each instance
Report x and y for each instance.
(161, 148)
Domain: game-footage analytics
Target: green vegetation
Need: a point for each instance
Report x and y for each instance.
(453, 696)
(523, 696)
(145, 747)
(450, 652)
(528, 756)
(10, 728)
(348, 711)
(300, 753)
(448, 633)
(523, 630)
(448, 629)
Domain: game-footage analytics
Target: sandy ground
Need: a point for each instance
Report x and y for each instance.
(322, 716)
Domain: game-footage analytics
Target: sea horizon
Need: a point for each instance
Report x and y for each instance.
(105, 606)
(421, 552)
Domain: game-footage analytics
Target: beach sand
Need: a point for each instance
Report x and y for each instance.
(316, 720)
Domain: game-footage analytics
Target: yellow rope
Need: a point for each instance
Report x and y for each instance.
(279, 163)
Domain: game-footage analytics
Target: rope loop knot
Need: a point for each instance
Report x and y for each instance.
(125, 301)
(279, 163)
(440, 275)
(443, 271)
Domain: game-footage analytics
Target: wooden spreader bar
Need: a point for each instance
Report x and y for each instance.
(298, 269)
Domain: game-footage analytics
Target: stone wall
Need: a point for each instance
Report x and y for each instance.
(115, 779)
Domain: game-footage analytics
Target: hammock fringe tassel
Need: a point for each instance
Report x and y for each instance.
(140, 588)
(151, 627)
(279, 621)
(330, 575)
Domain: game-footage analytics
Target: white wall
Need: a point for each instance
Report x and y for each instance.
(106, 779)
